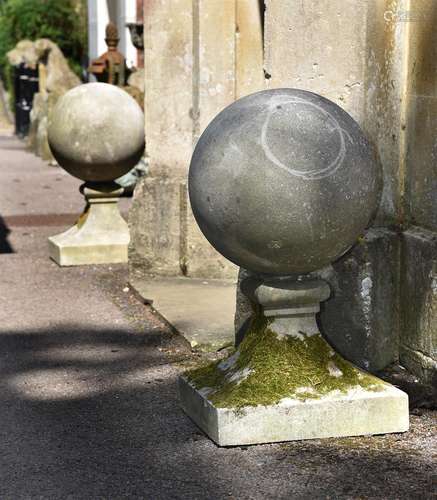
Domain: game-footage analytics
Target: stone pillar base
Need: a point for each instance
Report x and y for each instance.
(285, 382)
(100, 236)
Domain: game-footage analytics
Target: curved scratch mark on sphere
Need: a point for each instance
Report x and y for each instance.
(315, 174)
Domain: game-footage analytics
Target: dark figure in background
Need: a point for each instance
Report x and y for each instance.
(110, 67)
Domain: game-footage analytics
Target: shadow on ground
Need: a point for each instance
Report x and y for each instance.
(5, 246)
(94, 414)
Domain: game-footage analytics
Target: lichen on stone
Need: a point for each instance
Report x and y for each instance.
(276, 368)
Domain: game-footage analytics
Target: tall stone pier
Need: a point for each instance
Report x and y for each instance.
(199, 57)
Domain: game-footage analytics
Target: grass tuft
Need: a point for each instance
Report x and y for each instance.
(273, 368)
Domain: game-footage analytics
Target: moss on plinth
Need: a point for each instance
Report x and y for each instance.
(268, 368)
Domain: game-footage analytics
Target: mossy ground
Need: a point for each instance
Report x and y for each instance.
(278, 368)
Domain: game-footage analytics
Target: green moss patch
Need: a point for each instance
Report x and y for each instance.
(267, 368)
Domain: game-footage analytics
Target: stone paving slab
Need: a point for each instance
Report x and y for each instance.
(201, 310)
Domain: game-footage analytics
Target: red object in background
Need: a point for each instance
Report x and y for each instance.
(140, 18)
(140, 9)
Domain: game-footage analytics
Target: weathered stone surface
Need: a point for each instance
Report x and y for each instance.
(37, 140)
(214, 80)
(168, 53)
(155, 226)
(383, 86)
(58, 76)
(249, 50)
(100, 236)
(418, 342)
(164, 238)
(310, 66)
(421, 143)
(55, 78)
(23, 53)
(135, 86)
(381, 69)
(263, 165)
(202, 311)
(361, 318)
(201, 259)
(285, 382)
(203, 55)
(158, 206)
(355, 60)
(353, 414)
(244, 307)
(136, 94)
(38, 111)
(42, 145)
(55, 74)
(6, 116)
(421, 183)
(283, 181)
(96, 132)
(136, 79)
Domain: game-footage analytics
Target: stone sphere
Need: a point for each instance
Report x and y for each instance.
(283, 181)
(96, 132)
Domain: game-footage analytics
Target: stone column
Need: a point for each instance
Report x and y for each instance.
(98, 18)
(126, 14)
(196, 62)
(377, 59)
(158, 212)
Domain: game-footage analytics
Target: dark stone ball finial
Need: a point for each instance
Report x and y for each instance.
(283, 181)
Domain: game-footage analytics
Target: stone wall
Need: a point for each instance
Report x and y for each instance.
(418, 340)
(349, 52)
(378, 60)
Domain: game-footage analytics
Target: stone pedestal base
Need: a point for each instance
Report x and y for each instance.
(100, 236)
(285, 382)
(354, 413)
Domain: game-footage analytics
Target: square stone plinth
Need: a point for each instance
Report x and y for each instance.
(100, 236)
(77, 253)
(357, 412)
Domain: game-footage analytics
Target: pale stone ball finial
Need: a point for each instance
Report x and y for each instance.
(96, 132)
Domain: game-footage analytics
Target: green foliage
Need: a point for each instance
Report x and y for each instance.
(62, 21)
